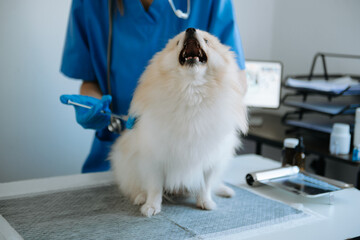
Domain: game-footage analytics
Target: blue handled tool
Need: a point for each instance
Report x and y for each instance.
(89, 107)
(117, 124)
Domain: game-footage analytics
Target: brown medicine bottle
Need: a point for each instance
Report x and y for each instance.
(299, 158)
(288, 151)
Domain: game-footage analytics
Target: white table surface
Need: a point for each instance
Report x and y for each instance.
(340, 220)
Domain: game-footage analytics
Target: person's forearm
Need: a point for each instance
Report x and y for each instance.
(91, 89)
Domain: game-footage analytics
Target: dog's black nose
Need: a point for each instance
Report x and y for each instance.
(190, 30)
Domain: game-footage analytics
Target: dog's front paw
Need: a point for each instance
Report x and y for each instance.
(149, 210)
(224, 191)
(207, 204)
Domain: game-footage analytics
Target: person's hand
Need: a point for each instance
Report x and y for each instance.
(93, 118)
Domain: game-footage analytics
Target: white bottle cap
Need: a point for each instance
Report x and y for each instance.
(357, 115)
(356, 134)
(291, 142)
(341, 129)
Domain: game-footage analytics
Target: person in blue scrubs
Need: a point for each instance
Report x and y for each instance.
(140, 29)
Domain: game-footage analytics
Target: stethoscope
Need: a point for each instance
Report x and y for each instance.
(178, 12)
(120, 123)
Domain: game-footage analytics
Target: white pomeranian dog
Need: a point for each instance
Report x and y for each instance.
(190, 110)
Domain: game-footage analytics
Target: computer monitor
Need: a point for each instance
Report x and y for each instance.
(264, 84)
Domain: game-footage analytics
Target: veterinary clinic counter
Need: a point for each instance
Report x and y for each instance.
(295, 217)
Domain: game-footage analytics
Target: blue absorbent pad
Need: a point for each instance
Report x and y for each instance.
(103, 213)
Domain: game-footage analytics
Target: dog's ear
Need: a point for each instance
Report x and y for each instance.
(229, 56)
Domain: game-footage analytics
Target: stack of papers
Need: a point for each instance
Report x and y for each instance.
(328, 108)
(336, 86)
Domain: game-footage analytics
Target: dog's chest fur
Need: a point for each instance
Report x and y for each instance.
(195, 122)
(191, 116)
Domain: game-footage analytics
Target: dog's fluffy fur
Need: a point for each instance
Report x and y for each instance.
(190, 109)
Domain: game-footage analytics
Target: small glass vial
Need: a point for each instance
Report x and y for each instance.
(288, 151)
(356, 153)
(299, 158)
(356, 136)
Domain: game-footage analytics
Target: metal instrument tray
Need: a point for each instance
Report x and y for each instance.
(291, 179)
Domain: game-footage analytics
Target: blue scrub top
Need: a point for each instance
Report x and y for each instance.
(137, 36)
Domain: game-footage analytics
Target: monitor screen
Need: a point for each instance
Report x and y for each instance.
(264, 83)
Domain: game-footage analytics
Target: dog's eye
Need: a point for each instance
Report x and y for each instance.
(177, 43)
(206, 41)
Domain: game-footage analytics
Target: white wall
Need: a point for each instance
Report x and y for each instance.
(39, 136)
(306, 27)
(293, 31)
(255, 19)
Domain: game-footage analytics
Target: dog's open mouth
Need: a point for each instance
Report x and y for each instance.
(192, 53)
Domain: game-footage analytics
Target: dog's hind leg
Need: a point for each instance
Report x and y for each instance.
(224, 191)
(140, 198)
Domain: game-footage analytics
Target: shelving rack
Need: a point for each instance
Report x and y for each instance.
(320, 115)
